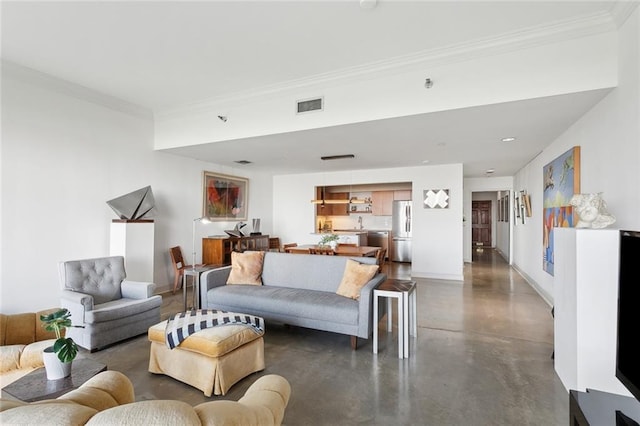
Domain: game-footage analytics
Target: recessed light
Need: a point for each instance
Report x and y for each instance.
(489, 171)
(509, 139)
(242, 161)
(425, 161)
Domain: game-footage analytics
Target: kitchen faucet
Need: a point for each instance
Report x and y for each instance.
(360, 222)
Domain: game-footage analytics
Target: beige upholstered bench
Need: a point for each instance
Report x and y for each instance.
(211, 360)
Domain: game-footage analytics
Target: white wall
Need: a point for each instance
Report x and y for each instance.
(63, 157)
(437, 233)
(609, 137)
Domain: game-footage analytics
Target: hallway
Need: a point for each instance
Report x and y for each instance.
(482, 357)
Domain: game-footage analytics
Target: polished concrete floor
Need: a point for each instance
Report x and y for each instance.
(482, 356)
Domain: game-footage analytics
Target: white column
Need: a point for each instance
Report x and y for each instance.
(135, 241)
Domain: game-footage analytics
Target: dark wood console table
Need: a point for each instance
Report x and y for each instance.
(217, 250)
(596, 408)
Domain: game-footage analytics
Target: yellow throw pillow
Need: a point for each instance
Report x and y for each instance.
(246, 268)
(355, 276)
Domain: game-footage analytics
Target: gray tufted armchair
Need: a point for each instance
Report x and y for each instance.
(109, 307)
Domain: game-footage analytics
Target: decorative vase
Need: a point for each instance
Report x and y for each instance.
(333, 244)
(55, 368)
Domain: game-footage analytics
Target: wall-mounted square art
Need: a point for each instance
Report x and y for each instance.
(436, 199)
(224, 197)
(561, 179)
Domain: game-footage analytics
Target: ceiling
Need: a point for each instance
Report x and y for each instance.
(163, 55)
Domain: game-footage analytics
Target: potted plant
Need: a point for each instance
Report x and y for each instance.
(57, 358)
(329, 240)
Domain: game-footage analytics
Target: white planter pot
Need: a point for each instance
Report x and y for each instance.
(55, 368)
(333, 244)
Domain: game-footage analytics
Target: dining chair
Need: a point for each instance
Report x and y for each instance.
(380, 255)
(274, 244)
(179, 266)
(289, 245)
(322, 250)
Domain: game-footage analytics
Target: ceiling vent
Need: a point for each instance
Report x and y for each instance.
(309, 105)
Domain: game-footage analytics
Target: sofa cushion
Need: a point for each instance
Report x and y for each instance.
(308, 271)
(158, 412)
(47, 412)
(32, 354)
(355, 276)
(100, 277)
(286, 302)
(246, 268)
(121, 308)
(10, 357)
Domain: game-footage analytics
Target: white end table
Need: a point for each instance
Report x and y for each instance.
(195, 273)
(405, 292)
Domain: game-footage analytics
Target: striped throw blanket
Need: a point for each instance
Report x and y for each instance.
(185, 324)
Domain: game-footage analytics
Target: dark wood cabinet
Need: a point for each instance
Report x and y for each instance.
(217, 250)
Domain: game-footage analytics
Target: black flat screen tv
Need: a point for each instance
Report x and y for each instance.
(627, 358)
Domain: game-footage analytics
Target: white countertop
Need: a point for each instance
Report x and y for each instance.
(341, 232)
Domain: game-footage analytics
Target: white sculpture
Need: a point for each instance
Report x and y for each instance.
(592, 211)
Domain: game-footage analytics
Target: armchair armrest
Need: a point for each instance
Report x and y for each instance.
(77, 303)
(137, 289)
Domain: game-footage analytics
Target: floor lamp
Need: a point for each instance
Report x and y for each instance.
(203, 219)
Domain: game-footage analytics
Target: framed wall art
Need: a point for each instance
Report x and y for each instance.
(224, 197)
(561, 180)
(505, 214)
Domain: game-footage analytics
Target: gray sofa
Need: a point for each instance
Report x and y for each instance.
(109, 307)
(300, 290)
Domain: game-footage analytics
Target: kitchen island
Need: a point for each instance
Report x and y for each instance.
(355, 236)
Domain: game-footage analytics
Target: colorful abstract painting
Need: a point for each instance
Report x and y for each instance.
(561, 180)
(225, 197)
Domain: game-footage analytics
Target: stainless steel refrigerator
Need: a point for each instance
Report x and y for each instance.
(401, 232)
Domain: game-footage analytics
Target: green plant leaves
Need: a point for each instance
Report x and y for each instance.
(66, 349)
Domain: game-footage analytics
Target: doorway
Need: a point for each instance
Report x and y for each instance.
(481, 224)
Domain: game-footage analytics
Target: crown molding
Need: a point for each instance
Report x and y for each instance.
(621, 10)
(508, 42)
(47, 81)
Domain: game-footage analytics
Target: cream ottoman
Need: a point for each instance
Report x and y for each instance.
(211, 360)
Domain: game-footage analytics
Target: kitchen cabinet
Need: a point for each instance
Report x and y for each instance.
(404, 195)
(217, 250)
(382, 203)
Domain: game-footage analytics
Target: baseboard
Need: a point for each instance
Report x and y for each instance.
(545, 296)
(448, 277)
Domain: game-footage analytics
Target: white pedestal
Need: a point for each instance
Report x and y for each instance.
(134, 240)
(585, 299)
